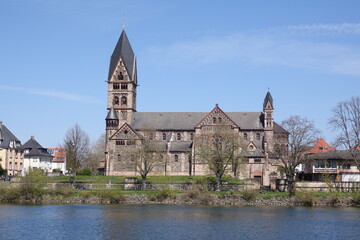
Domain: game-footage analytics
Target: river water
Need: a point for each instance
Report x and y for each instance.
(176, 222)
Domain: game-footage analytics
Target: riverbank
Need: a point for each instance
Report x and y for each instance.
(196, 195)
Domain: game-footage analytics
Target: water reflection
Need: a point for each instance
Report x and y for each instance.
(176, 222)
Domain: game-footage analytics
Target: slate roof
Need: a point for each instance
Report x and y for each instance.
(188, 120)
(35, 149)
(279, 129)
(112, 115)
(268, 98)
(122, 50)
(180, 146)
(6, 137)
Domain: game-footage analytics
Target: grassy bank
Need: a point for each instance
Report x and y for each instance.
(196, 195)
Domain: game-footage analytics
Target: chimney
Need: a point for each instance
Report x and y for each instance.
(32, 137)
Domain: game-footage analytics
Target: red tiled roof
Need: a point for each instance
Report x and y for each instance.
(321, 146)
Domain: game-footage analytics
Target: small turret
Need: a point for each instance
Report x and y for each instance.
(112, 119)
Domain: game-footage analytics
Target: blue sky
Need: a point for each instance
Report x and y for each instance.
(54, 58)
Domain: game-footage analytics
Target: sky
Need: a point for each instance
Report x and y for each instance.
(191, 55)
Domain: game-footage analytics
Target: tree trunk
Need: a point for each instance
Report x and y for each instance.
(143, 187)
(218, 181)
(291, 186)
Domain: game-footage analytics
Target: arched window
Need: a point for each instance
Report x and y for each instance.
(123, 101)
(151, 136)
(116, 100)
(219, 119)
(119, 157)
(258, 136)
(176, 158)
(245, 136)
(191, 136)
(120, 76)
(178, 136)
(164, 136)
(214, 120)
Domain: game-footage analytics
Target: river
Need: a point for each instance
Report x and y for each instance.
(176, 222)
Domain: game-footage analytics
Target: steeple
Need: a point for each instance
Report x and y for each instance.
(124, 52)
(268, 109)
(268, 99)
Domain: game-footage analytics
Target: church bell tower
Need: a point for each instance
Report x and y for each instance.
(122, 81)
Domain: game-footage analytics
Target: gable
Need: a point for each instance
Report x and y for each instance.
(125, 132)
(216, 117)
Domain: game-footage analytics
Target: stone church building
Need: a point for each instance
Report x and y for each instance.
(175, 131)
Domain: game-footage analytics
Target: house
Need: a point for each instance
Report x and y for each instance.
(11, 153)
(36, 157)
(58, 163)
(325, 161)
(175, 131)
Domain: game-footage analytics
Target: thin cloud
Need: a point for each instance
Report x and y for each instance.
(319, 29)
(49, 93)
(264, 49)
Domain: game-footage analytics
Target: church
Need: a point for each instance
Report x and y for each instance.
(174, 132)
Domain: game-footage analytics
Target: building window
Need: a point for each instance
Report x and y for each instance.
(214, 120)
(123, 115)
(130, 142)
(124, 86)
(346, 166)
(245, 136)
(258, 136)
(257, 160)
(119, 157)
(178, 136)
(176, 158)
(191, 136)
(120, 142)
(116, 100)
(116, 86)
(123, 101)
(151, 136)
(220, 120)
(164, 136)
(120, 76)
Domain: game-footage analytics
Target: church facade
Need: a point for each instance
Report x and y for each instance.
(175, 132)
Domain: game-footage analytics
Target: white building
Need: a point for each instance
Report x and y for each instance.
(36, 157)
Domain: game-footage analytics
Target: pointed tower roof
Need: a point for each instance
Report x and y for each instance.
(35, 149)
(124, 51)
(268, 98)
(112, 115)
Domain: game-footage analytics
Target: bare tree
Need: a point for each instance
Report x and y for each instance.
(346, 120)
(302, 134)
(146, 155)
(96, 154)
(76, 143)
(221, 149)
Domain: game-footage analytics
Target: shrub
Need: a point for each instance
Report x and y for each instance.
(162, 195)
(85, 172)
(249, 195)
(306, 199)
(32, 185)
(9, 194)
(110, 195)
(64, 191)
(356, 199)
(199, 193)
